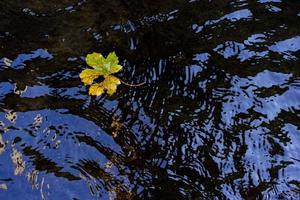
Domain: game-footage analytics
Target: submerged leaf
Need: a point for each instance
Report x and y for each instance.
(116, 126)
(17, 159)
(89, 75)
(109, 84)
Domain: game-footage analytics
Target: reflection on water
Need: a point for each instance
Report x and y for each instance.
(218, 117)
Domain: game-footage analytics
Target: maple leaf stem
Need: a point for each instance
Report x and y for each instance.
(132, 85)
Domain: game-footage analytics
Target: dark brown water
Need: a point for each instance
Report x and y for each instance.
(218, 117)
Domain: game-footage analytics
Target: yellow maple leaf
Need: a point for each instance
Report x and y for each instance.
(89, 75)
(109, 84)
(95, 60)
(115, 69)
(101, 67)
(104, 65)
(96, 89)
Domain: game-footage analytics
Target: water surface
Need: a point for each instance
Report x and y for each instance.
(218, 117)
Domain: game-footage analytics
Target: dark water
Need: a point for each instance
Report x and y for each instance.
(218, 117)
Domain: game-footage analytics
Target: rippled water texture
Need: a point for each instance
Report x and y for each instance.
(218, 117)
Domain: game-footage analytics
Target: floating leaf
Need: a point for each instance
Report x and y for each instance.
(89, 75)
(102, 67)
(113, 59)
(96, 89)
(109, 84)
(95, 60)
(115, 69)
